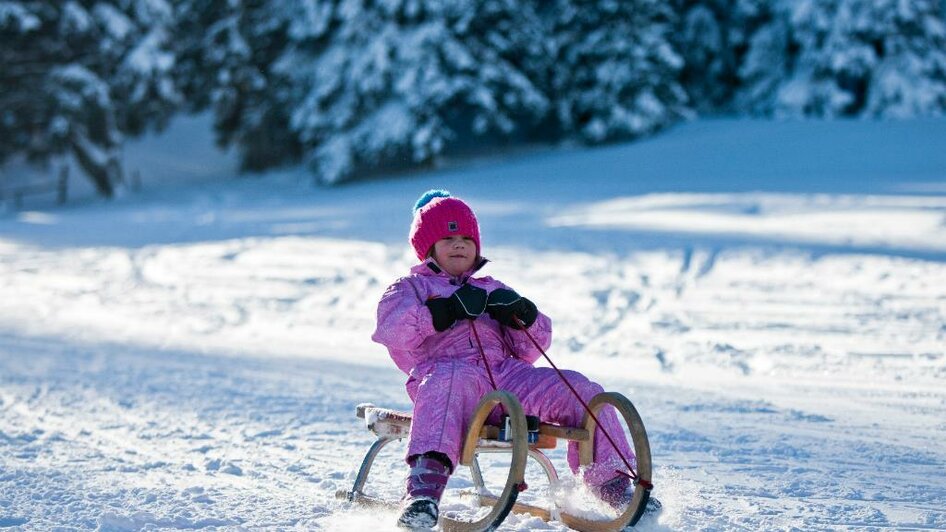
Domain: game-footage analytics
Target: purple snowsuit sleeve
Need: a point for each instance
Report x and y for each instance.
(522, 346)
(404, 322)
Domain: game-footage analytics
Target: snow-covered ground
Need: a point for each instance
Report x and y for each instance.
(772, 297)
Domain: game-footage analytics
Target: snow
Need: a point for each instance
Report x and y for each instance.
(76, 18)
(148, 58)
(770, 295)
(115, 22)
(16, 17)
(894, 222)
(89, 87)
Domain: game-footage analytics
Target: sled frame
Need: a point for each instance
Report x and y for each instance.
(391, 425)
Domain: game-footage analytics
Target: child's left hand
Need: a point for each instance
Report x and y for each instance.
(504, 304)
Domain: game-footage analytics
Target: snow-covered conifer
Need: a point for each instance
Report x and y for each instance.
(138, 36)
(761, 32)
(16, 17)
(18, 77)
(847, 58)
(55, 97)
(702, 41)
(615, 71)
(396, 82)
(74, 82)
(226, 53)
(910, 78)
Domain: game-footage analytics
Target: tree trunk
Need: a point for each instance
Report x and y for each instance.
(95, 164)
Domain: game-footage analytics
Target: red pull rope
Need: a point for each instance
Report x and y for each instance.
(483, 355)
(485, 362)
(633, 474)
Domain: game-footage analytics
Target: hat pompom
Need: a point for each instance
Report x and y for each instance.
(428, 196)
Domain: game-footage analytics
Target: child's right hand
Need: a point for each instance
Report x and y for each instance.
(467, 303)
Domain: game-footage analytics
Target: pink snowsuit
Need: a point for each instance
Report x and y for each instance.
(447, 378)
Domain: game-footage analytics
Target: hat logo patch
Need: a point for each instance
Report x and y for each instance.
(453, 227)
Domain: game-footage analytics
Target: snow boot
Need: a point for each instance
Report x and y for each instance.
(418, 514)
(618, 493)
(425, 485)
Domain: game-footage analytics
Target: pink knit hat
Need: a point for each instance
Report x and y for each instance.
(437, 214)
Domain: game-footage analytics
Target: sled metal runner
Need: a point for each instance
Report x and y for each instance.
(390, 425)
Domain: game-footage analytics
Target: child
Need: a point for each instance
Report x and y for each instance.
(427, 321)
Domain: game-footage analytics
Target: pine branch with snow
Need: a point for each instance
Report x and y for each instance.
(402, 80)
(615, 71)
(79, 76)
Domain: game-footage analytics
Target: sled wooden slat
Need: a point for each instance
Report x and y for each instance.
(564, 433)
(546, 441)
(489, 432)
(519, 507)
(390, 416)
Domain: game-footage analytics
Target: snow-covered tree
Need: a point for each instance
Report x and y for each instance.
(848, 58)
(397, 81)
(910, 78)
(18, 21)
(137, 40)
(55, 101)
(75, 79)
(713, 38)
(814, 57)
(702, 41)
(226, 52)
(761, 33)
(615, 71)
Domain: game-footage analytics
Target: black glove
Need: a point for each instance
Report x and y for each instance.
(467, 303)
(503, 304)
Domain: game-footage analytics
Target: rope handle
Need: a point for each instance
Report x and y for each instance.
(630, 470)
(483, 355)
(630, 473)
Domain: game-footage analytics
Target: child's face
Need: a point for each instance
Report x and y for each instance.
(455, 254)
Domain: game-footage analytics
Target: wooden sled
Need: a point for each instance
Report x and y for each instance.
(390, 425)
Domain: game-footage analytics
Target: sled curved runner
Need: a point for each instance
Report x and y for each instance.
(638, 437)
(390, 425)
(515, 481)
